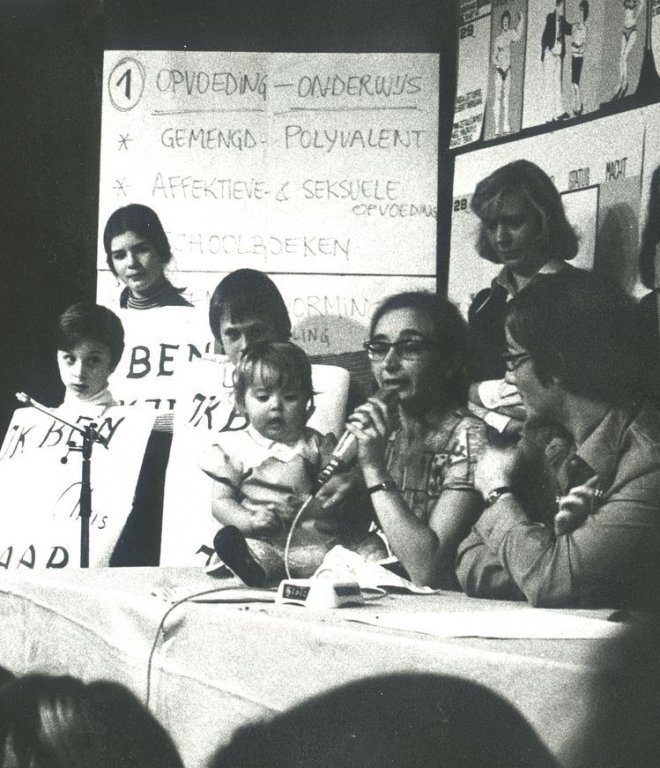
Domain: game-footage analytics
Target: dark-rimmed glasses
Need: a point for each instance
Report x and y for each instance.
(513, 360)
(406, 349)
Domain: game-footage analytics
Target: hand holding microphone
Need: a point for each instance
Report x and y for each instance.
(369, 425)
(347, 447)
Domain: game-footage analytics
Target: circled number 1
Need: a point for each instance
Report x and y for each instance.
(126, 84)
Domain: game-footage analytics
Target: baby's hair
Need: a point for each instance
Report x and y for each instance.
(506, 14)
(275, 364)
(86, 321)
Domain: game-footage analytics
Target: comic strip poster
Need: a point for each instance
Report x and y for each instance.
(527, 63)
(472, 69)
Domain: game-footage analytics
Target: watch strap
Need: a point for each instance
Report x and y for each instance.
(386, 485)
(493, 495)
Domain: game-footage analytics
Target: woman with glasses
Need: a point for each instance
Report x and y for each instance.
(524, 228)
(418, 458)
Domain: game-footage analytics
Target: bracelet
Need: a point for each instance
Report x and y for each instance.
(387, 485)
(493, 495)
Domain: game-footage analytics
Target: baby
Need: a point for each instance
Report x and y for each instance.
(264, 473)
(90, 342)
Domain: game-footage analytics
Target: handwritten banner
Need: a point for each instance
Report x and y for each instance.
(312, 164)
(158, 346)
(40, 477)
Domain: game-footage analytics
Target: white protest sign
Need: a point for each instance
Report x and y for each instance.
(41, 493)
(205, 406)
(319, 166)
(158, 346)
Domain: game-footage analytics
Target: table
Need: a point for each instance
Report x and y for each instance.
(218, 666)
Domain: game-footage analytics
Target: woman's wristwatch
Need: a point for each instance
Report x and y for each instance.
(386, 485)
(493, 495)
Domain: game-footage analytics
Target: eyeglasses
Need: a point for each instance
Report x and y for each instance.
(513, 360)
(406, 349)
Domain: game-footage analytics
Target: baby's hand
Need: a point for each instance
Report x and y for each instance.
(265, 521)
(325, 520)
(576, 506)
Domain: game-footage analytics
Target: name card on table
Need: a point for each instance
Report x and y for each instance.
(204, 407)
(40, 478)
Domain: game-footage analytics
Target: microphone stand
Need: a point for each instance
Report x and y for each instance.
(89, 436)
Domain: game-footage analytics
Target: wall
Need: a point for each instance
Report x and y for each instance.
(52, 52)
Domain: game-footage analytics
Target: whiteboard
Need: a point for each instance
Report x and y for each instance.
(315, 165)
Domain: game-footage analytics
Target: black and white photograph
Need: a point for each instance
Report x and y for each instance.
(330, 406)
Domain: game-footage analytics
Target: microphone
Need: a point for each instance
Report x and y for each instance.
(346, 449)
(27, 400)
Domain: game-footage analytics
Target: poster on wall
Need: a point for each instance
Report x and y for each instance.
(472, 72)
(507, 59)
(318, 169)
(536, 62)
(597, 168)
(563, 64)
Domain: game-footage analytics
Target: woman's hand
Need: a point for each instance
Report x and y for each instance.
(496, 467)
(370, 425)
(338, 488)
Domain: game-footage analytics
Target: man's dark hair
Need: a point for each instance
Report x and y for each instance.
(579, 328)
(402, 720)
(245, 294)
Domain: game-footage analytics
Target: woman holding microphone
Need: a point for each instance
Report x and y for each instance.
(418, 458)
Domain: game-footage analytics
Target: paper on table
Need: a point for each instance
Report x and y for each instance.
(342, 564)
(533, 623)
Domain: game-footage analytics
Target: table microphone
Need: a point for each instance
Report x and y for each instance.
(346, 448)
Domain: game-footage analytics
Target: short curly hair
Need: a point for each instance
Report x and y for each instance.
(89, 321)
(451, 330)
(247, 293)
